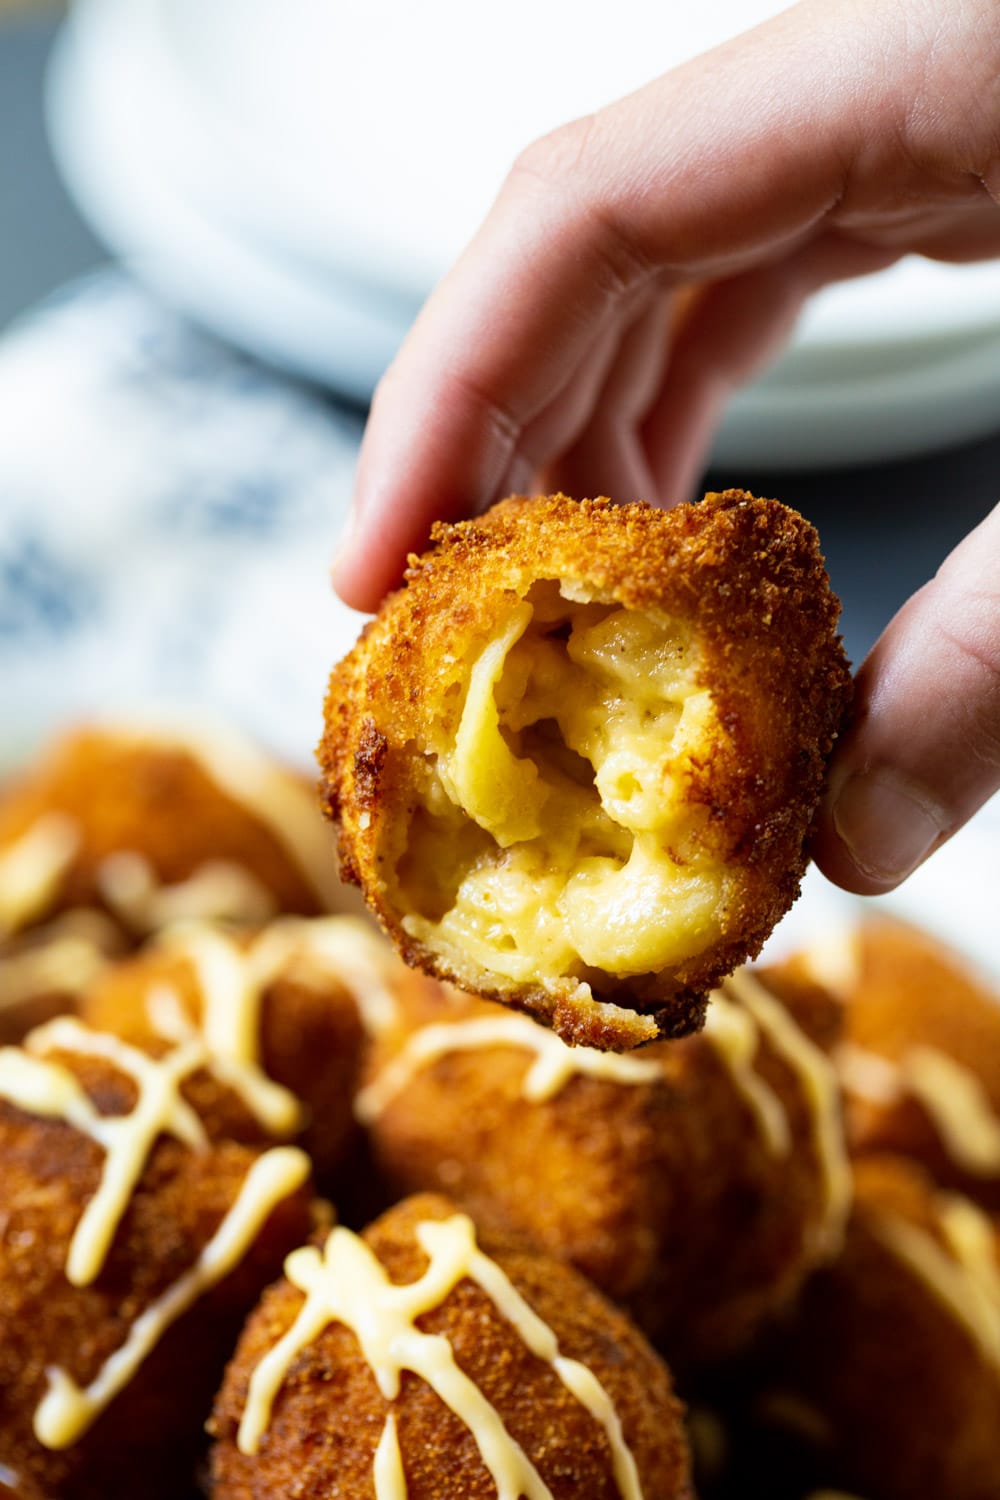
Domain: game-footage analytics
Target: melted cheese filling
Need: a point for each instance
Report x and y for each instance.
(561, 806)
(347, 1284)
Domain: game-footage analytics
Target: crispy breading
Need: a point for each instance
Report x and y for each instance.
(329, 1413)
(148, 1440)
(575, 760)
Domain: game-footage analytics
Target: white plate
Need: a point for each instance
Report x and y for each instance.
(297, 174)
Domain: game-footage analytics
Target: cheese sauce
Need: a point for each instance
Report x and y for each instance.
(819, 1083)
(67, 1409)
(953, 1097)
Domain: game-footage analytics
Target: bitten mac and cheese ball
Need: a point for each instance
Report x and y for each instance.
(575, 760)
(428, 1360)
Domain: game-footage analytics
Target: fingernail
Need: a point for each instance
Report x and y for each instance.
(888, 824)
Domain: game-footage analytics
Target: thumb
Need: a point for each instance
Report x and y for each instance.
(924, 750)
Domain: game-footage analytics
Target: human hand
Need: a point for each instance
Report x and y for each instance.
(640, 263)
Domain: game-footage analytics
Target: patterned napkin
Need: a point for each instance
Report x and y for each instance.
(167, 511)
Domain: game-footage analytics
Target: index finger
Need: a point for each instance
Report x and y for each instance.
(711, 168)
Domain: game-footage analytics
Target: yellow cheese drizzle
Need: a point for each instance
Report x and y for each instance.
(965, 1278)
(67, 1409)
(820, 1086)
(953, 1096)
(47, 1088)
(231, 981)
(317, 949)
(31, 868)
(735, 1036)
(218, 890)
(347, 1284)
(553, 1066)
(387, 1471)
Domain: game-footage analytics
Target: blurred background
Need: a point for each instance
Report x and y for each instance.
(216, 223)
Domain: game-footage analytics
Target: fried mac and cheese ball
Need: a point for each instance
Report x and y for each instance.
(431, 1360)
(152, 825)
(697, 1181)
(575, 760)
(131, 1250)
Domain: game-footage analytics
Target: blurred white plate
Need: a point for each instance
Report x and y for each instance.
(297, 174)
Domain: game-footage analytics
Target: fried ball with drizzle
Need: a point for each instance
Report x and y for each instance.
(130, 1252)
(892, 1357)
(575, 760)
(920, 1058)
(154, 826)
(428, 1361)
(697, 1181)
(290, 1002)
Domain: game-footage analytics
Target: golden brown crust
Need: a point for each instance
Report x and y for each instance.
(329, 1414)
(149, 1437)
(664, 1193)
(746, 575)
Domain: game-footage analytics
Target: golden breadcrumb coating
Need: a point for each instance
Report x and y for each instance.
(329, 1413)
(574, 762)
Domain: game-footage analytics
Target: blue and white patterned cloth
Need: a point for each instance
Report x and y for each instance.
(167, 511)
